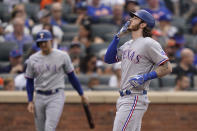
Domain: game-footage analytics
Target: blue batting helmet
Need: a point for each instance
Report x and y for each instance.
(43, 35)
(145, 16)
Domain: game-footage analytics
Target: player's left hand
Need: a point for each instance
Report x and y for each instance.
(84, 99)
(136, 81)
(30, 107)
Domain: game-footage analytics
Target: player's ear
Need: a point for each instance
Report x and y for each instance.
(143, 25)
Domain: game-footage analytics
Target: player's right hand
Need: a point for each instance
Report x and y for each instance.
(84, 99)
(123, 30)
(30, 107)
(136, 80)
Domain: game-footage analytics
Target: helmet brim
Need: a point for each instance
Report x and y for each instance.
(43, 40)
(132, 14)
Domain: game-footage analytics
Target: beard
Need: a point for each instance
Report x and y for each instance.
(134, 28)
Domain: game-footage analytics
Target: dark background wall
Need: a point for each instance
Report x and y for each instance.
(159, 117)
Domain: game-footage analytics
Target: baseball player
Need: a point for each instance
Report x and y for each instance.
(142, 59)
(45, 72)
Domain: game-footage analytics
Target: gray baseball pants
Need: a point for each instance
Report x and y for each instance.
(130, 111)
(48, 109)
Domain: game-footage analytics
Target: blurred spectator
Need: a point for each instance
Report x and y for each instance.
(85, 36)
(194, 26)
(106, 68)
(11, 3)
(9, 84)
(156, 10)
(167, 29)
(18, 35)
(75, 50)
(10, 27)
(19, 11)
(44, 18)
(96, 10)
(185, 67)
(170, 50)
(180, 42)
(157, 35)
(93, 81)
(20, 82)
(88, 65)
(56, 41)
(76, 63)
(81, 11)
(118, 15)
(16, 63)
(2, 32)
(76, 54)
(33, 50)
(1, 83)
(116, 78)
(45, 3)
(111, 3)
(130, 6)
(182, 83)
(184, 8)
(144, 3)
(56, 18)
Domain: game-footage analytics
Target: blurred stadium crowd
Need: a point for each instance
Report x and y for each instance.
(84, 28)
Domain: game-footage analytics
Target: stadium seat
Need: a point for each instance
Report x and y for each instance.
(27, 47)
(104, 79)
(5, 48)
(178, 21)
(104, 88)
(70, 17)
(69, 36)
(124, 39)
(84, 79)
(195, 82)
(190, 42)
(4, 15)
(109, 37)
(4, 63)
(65, 44)
(7, 75)
(105, 19)
(68, 87)
(69, 28)
(95, 48)
(102, 29)
(35, 1)
(32, 10)
(154, 84)
(168, 81)
(67, 9)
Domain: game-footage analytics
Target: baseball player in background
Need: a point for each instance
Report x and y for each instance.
(142, 59)
(45, 72)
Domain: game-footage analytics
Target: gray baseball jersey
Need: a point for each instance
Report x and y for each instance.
(49, 71)
(139, 57)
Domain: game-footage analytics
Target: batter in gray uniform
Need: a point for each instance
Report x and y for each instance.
(45, 72)
(142, 59)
